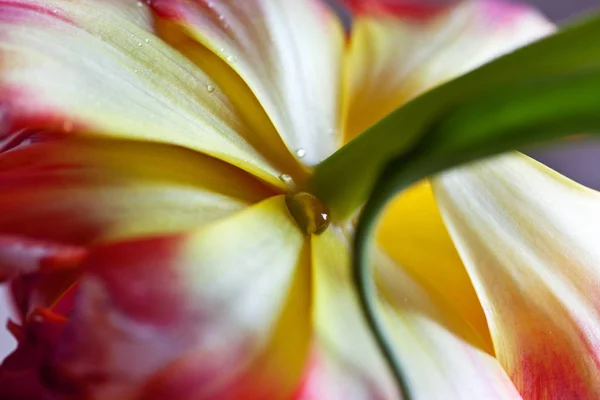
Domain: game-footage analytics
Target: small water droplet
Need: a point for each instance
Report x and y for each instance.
(135, 70)
(332, 131)
(221, 17)
(67, 126)
(300, 153)
(147, 40)
(140, 4)
(231, 58)
(210, 88)
(140, 44)
(311, 215)
(287, 179)
(55, 11)
(222, 50)
(210, 4)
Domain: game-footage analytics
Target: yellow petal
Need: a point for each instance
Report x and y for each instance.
(194, 315)
(529, 239)
(394, 57)
(84, 190)
(97, 68)
(288, 52)
(412, 232)
(441, 353)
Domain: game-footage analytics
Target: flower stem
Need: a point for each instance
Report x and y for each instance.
(367, 292)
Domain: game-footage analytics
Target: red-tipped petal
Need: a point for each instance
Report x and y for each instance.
(529, 240)
(409, 9)
(97, 68)
(218, 313)
(440, 353)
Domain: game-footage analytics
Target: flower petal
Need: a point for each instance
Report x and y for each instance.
(409, 9)
(159, 188)
(193, 315)
(529, 239)
(441, 353)
(97, 68)
(288, 52)
(60, 194)
(21, 373)
(394, 57)
(413, 234)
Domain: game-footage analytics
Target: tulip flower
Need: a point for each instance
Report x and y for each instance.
(162, 239)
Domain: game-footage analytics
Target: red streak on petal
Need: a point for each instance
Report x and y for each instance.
(11, 10)
(411, 9)
(502, 12)
(21, 109)
(141, 278)
(550, 369)
(333, 379)
(44, 314)
(20, 255)
(66, 302)
(166, 9)
(194, 376)
(44, 291)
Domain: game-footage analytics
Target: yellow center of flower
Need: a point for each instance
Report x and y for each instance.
(311, 215)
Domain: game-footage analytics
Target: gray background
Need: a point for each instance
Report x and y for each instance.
(579, 160)
(559, 10)
(576, 160)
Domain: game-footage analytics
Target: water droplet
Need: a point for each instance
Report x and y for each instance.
(287, 179)
(147, 40)
(300, 153)
(332, 131)
(140, 4)
(221, 17)
(135, 70)
(210, 88)
(210, 4)
(67, 126)
(231, 58)
(222, 50)
(55, 10)
(311, 215)
(140, 44)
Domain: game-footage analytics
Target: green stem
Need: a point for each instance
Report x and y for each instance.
(367, 292)
(345, 180)
(526, 114)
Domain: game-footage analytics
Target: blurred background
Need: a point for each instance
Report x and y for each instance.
(580, 160)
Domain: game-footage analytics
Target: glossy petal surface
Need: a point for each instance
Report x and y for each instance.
(440, 352)
(413, 234)
(82, 190)
(97, 68)
(289, 53)
(528, 238)
(193, 315)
